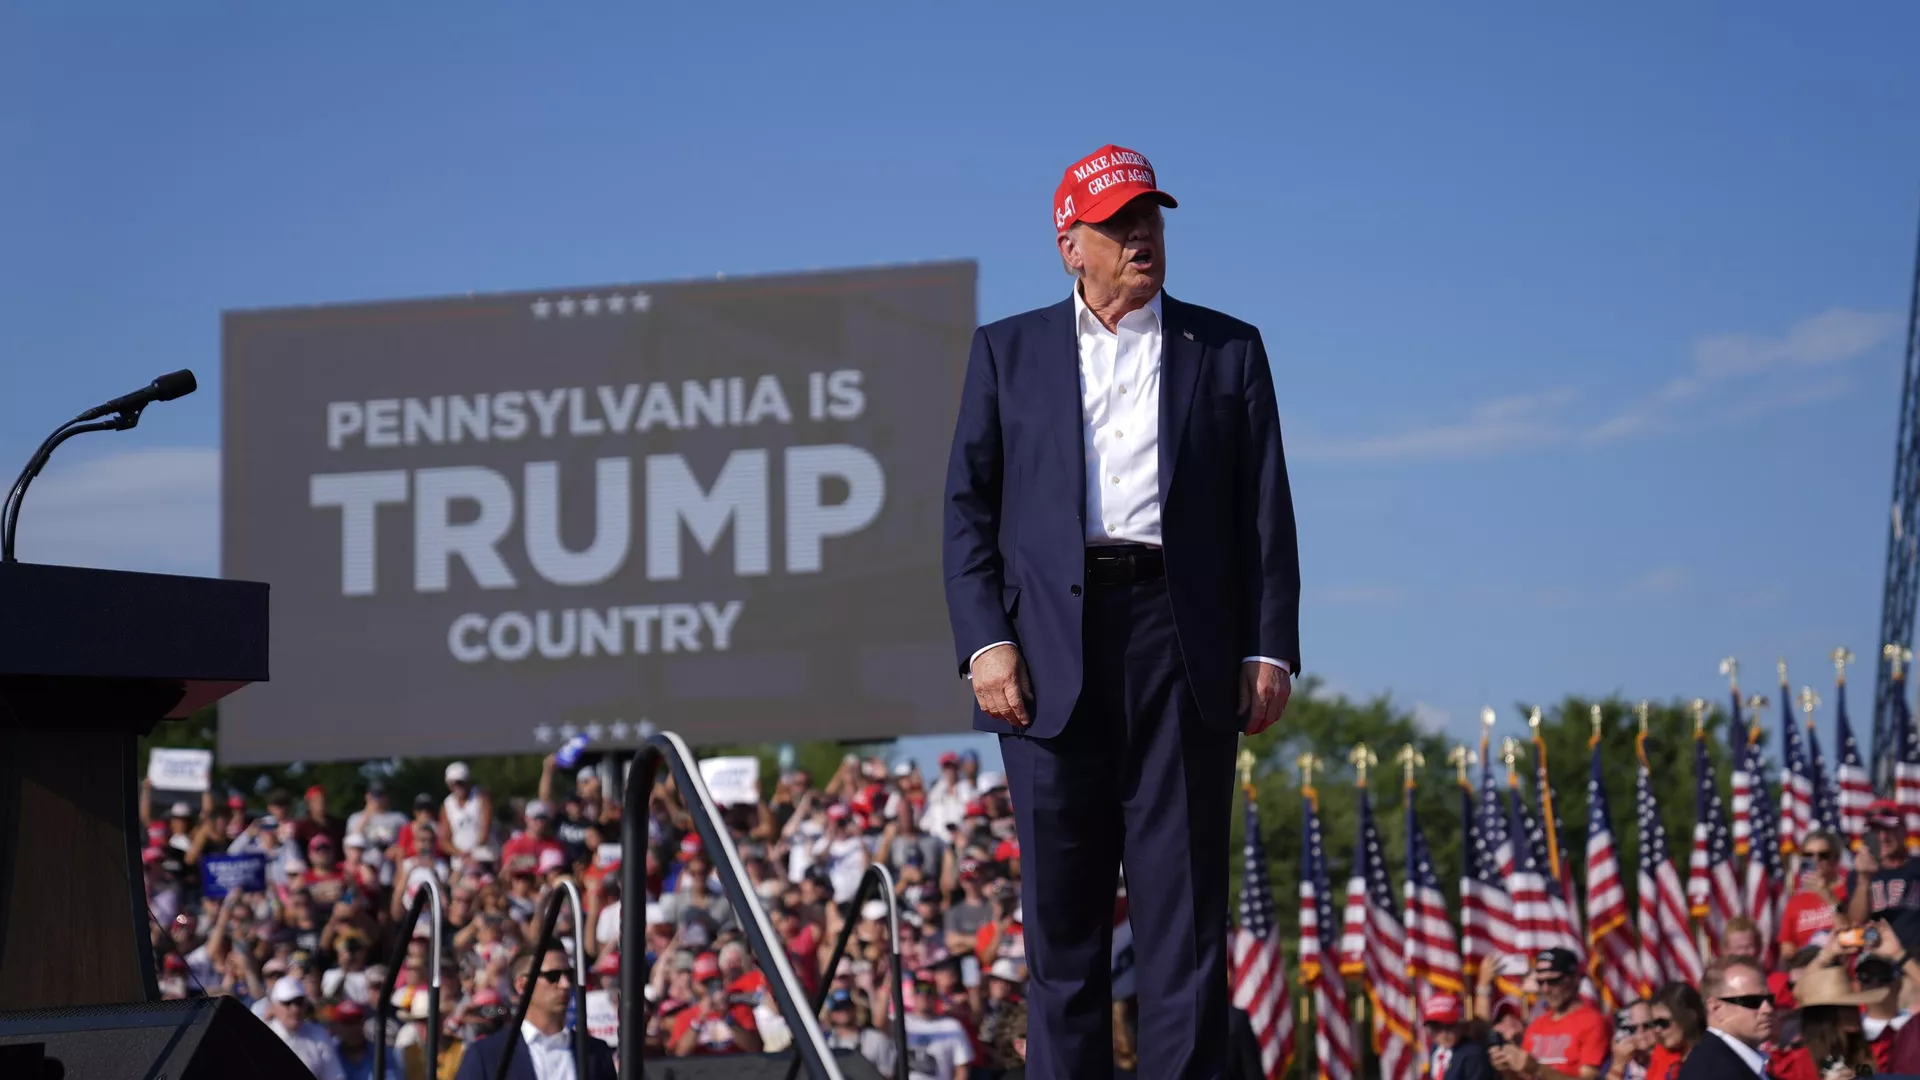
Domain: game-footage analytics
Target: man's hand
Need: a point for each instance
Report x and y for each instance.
(1511, 1059)
(1001, 686)
(1867, 861)
(1264, 690)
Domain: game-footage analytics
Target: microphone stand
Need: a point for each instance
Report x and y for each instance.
(10, 521)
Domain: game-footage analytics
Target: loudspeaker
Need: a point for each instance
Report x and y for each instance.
(199, 1039)
(747, 1067)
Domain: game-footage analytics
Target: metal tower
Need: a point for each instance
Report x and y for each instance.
(1903, 543)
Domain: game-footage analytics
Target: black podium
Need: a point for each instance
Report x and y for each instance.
(89, 661)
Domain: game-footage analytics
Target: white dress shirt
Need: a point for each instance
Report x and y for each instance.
(1120, 429)
(1754, 1059)
(552, 1055)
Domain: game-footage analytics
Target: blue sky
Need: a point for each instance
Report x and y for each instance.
(1586, 325)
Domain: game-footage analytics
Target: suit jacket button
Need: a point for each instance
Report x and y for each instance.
(1075, 590)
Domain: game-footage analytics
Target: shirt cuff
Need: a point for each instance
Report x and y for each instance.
(1281, 664)
(977, 652)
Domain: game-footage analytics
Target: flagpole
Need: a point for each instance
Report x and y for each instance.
(1647, 977)
(1306, 763)
(1362, 759)
(1699, 734)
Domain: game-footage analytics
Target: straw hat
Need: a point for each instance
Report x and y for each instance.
(1830, 986)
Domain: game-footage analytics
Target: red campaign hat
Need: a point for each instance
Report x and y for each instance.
(863, 801)
(1441, 1009)
(174, 962)
(485, 996)
(1008, 849)
(608, 964)
(706, 966)
(1094, 188)
(349, 1011)
(316, 790)
(156, 833)
(836, 812)
(976, 808)
(690, 844)
(949, 758)
(1777, 985)
(1885, 811)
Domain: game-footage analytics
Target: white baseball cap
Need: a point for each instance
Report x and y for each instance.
(287, 989)
(536, 808)
(991, 780)
(457, 773)
(874, 910)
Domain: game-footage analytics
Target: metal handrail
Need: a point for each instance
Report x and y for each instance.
(876, 877)
(383, 1008)
(810, 1045)
(545, 944)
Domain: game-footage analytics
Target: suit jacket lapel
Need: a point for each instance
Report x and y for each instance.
(1181, 353)
(1062, 407)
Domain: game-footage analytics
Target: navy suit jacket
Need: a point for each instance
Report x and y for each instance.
(483, 1057)
(1015, 517)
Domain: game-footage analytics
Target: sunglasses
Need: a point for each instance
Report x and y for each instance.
(1748, 1001)
(1823, 855)
(1659, 1023)
(1628, 1029)
(552, 976)
(1549, 980)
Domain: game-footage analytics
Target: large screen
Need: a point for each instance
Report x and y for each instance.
(494, 522)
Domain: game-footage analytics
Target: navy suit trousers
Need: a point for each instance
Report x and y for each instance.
(1135, 779)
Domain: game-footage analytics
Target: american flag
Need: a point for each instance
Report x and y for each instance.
(1713, 889)
(1766, 877)
(1906, 768)
(1333, 1042)
(1667, 952)
(1826, 799)
(1796, 779)
(1559, 869)
(1743, 781)
(1486, 911)
(1540, 916)
(1850, 772)
(1611, 962)
(1259, 977)
(1374, 946)
(1431, 952)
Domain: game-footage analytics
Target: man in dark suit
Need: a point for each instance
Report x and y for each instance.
(1123, 583)
(543, 1047)
(1739, 1020)
(1451, 1055)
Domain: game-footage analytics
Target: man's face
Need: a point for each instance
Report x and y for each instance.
(1744, 1008)
(1124, 255)
(316, 804)
(1741, 943)
(539, 826)
(351, 1033)
(841, 1016)
(1443, 1034)
(1560, 989)
(925, 1001)
(294, 1013)
(1893, 844)
(552, 981)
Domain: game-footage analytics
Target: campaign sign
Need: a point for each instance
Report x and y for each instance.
(222, 874)
(732, 781)
(180, 770)
(603, 1021)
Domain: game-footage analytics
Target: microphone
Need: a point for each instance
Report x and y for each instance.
(125, 412)
(174, 384)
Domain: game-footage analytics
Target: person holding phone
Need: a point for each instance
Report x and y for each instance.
(1633, 1040)
(1571, 1039)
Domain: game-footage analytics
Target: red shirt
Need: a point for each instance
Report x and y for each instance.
(1581, 1037)
(713, 1038)
(1664, 1064)
(522, 853)
(1808, 914)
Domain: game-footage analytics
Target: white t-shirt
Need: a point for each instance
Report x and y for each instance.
(352, 985)
(800, 855)
(463, 821)
(315, 1048)
(937, 1049)
(607, 930)
(846, 861)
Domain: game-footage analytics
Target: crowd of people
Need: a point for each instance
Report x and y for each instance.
(1829, 1000)
(307, 950)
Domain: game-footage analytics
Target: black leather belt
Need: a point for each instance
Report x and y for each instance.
(1124, 564)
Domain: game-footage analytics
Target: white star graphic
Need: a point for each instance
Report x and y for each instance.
(543, 733)
(565, 306)
(590, 306)
(619, 730)
(541, 308)
(616, 303)
(568, 731)
(593, 730)
(642, 303)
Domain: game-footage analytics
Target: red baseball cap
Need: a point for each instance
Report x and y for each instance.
(1884, 813)
(706, 966)
(1094, 188)
(690, 844)
(348, 1012)
(316, 790)
(1441, 1009)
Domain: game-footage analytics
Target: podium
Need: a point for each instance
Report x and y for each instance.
(89, 661)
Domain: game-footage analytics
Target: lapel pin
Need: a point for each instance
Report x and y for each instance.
(1188, 334)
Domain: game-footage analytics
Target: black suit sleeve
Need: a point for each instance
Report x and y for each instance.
(473, 1065)
(1269, 551)
(971, 547)
(1470, 1063)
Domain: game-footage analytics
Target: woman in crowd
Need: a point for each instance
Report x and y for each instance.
(1832, 1046)
(1677, 1018)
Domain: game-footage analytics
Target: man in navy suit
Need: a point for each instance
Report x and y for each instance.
(1123, 583)
(542, 1048)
